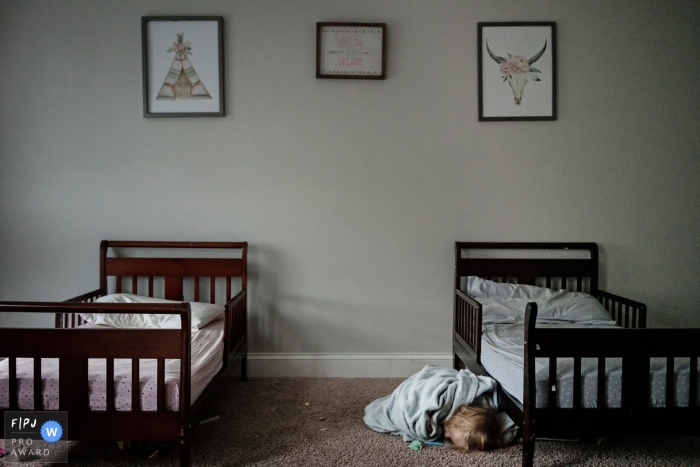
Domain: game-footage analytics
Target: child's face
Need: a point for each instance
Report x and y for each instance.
(452, 433)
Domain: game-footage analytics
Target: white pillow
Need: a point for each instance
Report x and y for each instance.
(202, 314)
(505, 303)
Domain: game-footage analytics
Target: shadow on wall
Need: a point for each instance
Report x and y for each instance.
(614, 272)
(622, 257)
(35, 248)
(281, 322)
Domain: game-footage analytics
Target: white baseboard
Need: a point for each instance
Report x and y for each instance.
(321, 365)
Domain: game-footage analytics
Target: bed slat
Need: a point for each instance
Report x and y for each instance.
(134, 285)
(196, 289)
(150, 286)
(635, 382)
(526, 280)
(693, 388)
(212, 289)
(577, 383)
(601, 383)
(160, 386)
(119, 284)
(135, 389)
(670, 373)
(173, 288)
(38, 400)
(552, 382)
(12, 367)
(467, 322)
(109, 385)
(73, 384)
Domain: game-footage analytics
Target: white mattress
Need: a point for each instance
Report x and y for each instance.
(207, 360)
(502, 356)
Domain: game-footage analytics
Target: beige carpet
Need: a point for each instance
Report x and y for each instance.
(318, 422)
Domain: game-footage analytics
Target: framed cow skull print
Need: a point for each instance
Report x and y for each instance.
(517, 71)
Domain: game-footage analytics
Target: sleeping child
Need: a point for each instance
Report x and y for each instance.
(441, 402)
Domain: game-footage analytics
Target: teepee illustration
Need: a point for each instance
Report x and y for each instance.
(182, 81)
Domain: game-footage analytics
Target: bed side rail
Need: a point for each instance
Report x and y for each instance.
(636, 348)
(72, 320)
(467, 324)
(627, 313)
(73, 348)
(88, 297)
(235, 325)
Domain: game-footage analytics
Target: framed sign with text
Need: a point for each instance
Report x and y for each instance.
(351, 50)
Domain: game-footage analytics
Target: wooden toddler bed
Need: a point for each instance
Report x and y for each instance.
(650, 382)
(78, 345)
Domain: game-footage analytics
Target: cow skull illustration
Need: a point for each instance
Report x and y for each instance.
(516, 68)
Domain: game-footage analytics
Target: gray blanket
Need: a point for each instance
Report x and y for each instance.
(420, 405)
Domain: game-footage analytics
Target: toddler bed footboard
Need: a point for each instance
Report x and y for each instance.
(640, 412)
(74, 347)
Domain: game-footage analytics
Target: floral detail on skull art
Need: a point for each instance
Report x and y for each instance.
(516, 70)
(518, 64)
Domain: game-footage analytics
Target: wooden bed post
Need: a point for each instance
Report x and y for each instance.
(529, 399)
(244, 286)
(594, 273)
(458, 255)
(185, 383)
(104, 246)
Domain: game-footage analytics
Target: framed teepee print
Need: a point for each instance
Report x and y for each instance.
(183, 66)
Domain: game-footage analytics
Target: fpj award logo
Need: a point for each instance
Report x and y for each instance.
(36, 436)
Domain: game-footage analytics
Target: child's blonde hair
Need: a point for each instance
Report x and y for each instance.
(474, 428)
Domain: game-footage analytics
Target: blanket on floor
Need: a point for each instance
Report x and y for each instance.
(417, 409)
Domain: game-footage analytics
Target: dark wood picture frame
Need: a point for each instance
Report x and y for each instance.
(539, 65)
(209, 96)
(359, 58)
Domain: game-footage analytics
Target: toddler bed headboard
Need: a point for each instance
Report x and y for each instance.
(556, 265)
(571, 273)
(173, 270)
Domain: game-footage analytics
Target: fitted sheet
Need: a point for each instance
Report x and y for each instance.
(502, 355)
(207, 360)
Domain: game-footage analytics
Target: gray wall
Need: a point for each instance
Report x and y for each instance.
(352, 193)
